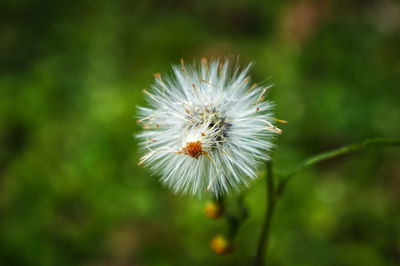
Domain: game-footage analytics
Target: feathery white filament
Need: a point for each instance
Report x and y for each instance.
(206, 128)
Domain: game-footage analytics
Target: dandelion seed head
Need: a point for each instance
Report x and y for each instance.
(206, 128)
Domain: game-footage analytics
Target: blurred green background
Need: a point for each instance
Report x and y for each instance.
(71, 75)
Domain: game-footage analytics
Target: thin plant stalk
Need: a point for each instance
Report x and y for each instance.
(369, 143)
(271, 204)
(274, 194)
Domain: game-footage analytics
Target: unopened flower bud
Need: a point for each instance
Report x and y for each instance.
(220, 245)
(213, 210)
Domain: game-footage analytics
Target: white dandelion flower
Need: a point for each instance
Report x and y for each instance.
(206, 128)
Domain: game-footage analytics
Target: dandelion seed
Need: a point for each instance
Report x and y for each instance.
(212, 128)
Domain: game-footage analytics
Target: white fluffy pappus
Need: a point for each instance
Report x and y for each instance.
(206, 128)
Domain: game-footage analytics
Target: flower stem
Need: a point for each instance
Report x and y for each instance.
(271, 203)
(379, 142)
(274, 194)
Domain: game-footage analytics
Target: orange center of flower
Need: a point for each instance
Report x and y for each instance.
(193, 149)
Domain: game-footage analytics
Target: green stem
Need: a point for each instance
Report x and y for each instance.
(274, 194)
(380, 142)
(235, 219)
(271, 204)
